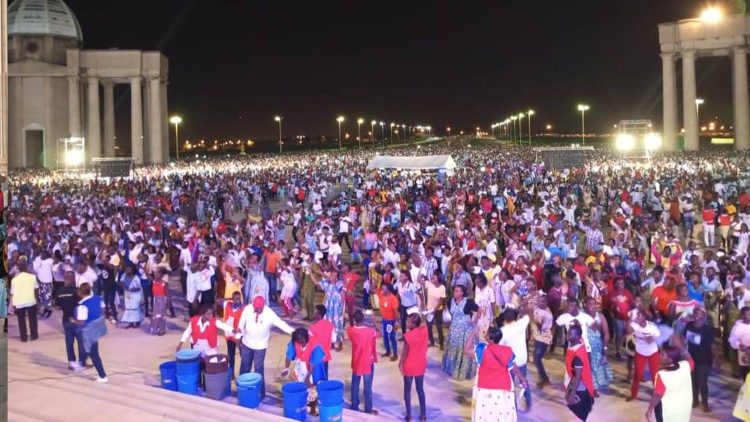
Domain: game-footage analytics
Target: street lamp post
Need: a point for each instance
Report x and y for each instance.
(391, 135)
(698, 103)
(513, 132)
(583, 108)
(372, 132)
(520, 128)
(382, 130)
(281, 144)
(176, 120)
(530, 113)
(340, 119)
(359, 131)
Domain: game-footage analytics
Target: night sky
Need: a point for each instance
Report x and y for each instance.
(235, 64)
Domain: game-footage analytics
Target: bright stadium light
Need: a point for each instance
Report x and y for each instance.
(625, 142)
(652, 141)
(74, 157)
(712, 14)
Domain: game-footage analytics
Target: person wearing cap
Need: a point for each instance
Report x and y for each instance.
(255, 326)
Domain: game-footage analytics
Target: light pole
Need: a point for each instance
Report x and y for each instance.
(405, 130)
(281, 144)
(382, 130)
(359, 131)
(372, 132)
(583, 108)
(391, 135)
(530, 113)
(176, 120)
(449, 130)
(520, 128)
(340, 120)
(698, 103)
(513, 132)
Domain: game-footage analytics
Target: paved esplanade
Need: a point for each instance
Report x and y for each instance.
(689, 40)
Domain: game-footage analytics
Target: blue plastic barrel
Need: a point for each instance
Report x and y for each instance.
(248, 395)
(168, 372)
(294, 395)
(187, 355)
(332, 413)
(188, 383)
(330, 393)
(249, 379)
(228, 391)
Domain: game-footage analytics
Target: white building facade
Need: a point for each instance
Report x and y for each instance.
(57, 90)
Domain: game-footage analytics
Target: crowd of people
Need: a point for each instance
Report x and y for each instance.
(617, 262)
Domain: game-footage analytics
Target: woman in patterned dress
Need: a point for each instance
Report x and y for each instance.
(333, 287)
(598, 339)
(456, 362)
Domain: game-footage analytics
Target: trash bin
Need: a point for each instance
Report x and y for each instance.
(330, 393)
(332, 413)
(216, 385)
(168, 371)
(215, 364)
(294, 395)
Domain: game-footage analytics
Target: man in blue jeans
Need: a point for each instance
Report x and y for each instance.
(67, 299)
(364, 356)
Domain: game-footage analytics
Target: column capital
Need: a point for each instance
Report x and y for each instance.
(135, 79)
(107, 82)
(92, 80)
(688, 54)
(739, 50)
(668, 56)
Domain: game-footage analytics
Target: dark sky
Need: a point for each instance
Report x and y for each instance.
(235, 64)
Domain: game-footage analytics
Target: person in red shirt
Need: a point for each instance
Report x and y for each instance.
(709, 228)
(493, 394)
(414, 363)
(389, 310)
(579, 392)
(621, 302)
(323, 333)
(350, 284)
(160, 291)
(232, 313)
(364, 357)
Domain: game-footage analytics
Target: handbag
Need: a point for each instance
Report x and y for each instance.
(447, 316)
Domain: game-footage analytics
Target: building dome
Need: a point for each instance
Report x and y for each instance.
(43, 17)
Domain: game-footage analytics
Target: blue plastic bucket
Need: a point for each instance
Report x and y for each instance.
(168, 372)
(249, 379)
(187, 355)
(248, 396)
(332, 413)
(330, 393)
(294, 395)
(188, 384)
(188, 367)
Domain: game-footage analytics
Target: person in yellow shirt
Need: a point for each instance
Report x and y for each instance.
(24, 297)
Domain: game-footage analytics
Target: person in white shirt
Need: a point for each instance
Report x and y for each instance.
(514, 336)
(202, 331)
(739, 339)
(255, 327)
(574, 314)
(645, 334)
(186, 260)
(43, 269)
(85, 275)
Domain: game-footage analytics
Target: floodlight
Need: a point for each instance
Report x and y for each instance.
(625, 142)
(652, 141)
(74, 157)
(711, 14)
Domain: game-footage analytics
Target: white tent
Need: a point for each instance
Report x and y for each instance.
(424, 162)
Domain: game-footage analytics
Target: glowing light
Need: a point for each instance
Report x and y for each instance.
(74, 157)
(583, 107)
(277, 118)
(548, 127)
(652, 141)
(340, 119)
(712, 14)
(699, 101)
(625, 142)
(175, 120)
(360, 121)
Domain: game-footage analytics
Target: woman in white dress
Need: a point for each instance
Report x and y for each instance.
(484, 296)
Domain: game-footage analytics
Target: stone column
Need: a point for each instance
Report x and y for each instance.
(136, 120)
(689, 113)
(109, 119)
(155, 123)
(4, 85)
(740, 97)
(74, 106)
(94, 133)
(669, 94)
(164, 119)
